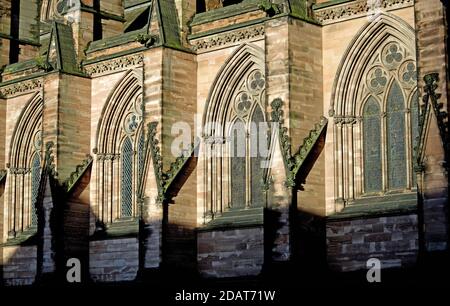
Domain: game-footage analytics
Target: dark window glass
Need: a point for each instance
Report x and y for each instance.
(127, 178)
(372, 146)
(35, 182)
(257, 135)
(395, 124)
(238, 169)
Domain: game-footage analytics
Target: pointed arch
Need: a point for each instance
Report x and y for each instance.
(378, 66)
(119, 104)
(367, 41)
(237, 97)
(28, 124)
(117, 139)
(24, 167)
(246, 58)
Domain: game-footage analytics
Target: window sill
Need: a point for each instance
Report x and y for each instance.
(376, 206)
(239, 218)
(121, 228)
(27, 237)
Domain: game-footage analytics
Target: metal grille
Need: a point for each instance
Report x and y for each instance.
(127, 179)
(372, 146)
(35, 182)
(396, 150)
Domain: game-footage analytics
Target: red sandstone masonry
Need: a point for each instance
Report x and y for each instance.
(231, 253)
(432, 57)
(113, 260)
(20, 265)
(394, 240)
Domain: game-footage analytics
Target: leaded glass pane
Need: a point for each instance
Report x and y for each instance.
(238, 177)
(395, 122)
(127, 178)
(35, 182)
(141, 155)
(414, 129)
(372, 146)
(257, 194)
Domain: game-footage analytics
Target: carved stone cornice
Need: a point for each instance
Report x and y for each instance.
(355, 9)
(107, 156)
(19, 171)
(228, 38)
(19, 88)
(349, 120)
(114, 64)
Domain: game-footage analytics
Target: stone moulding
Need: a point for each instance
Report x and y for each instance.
(293, 163)
(228, 38)
(165, 179)
(431, 104)
(115, 64)
(355, 9)
(77, 174)
(18, 88)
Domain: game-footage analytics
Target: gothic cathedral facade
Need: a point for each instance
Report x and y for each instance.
(314, 136)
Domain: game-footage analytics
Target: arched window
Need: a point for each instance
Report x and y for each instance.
(396, 137)
(236, 138)
(119, 162)
(374, 105)
(385, 137)
(24, 175)
(35, 182)
(373, 176)
(238, 166)
(414, 122)
(127, 179)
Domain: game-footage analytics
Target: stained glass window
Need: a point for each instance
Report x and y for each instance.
(35, 182)
(141, 154)
(127, 178)
(238, 167)
(395, 131)
(257, 194)
(414, 130)
(372, 146)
